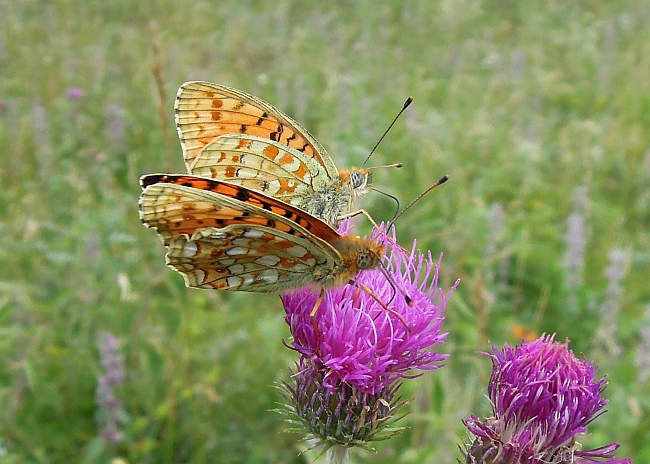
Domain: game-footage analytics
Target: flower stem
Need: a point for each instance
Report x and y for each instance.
(337, 454)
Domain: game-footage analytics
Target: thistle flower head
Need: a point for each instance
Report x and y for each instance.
(542, 397)
(354, 350)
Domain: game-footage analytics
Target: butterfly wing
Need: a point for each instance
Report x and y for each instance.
(230, 135)
(261, 164)
(224, 236)
(205, 111)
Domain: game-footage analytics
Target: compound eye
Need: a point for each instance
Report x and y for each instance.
(357, 179)
(364, 261)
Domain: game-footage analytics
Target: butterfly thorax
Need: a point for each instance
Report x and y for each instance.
(330, 202)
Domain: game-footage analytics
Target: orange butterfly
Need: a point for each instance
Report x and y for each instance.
(224, 236)
(227, 134)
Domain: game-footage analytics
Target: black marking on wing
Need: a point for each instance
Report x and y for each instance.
(243, 195)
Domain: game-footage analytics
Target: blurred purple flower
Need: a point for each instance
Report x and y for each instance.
(542, 397)
(611, 307)
(75, 93)
(111, 411)
(643, 350)
(575, 240)
(116, 127)
(344, 390)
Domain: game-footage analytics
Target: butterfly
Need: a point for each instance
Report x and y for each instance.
(227, 134)
(228, 237)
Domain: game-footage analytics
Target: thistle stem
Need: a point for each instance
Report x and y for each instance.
(337, 454)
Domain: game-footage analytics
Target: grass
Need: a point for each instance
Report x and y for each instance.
(520, 102)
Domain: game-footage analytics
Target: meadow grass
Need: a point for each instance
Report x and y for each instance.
(537, 110)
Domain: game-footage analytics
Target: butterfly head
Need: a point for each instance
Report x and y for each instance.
(369, 258)
(360, 180)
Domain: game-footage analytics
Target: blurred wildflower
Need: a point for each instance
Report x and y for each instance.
(518, 64)
(111, 411)
(615, 273)
(575, 240)
(116, 127)
(643, 352)
(75, 93)
(497, 219)
(344, 389)
(42, 139)
(542, 397)
(611, 307)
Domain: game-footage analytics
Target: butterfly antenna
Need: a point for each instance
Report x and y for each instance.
(441, 181)
(392, 197)
(408, 101)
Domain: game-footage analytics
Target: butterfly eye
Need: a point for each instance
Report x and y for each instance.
(364, 261)
(358, 179)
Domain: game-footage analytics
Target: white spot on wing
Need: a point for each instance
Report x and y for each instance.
(235, 251)
(189, 249)
(252, 233)
(273, 186)
(234, 282)
(236, 269)
(299, 267)
(297, 251)
(293, 166)
(270, 276)
(268, 260)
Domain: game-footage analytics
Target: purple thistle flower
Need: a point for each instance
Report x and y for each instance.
(345, 387)
(542, 397)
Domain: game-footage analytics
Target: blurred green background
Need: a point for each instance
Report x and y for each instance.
(539, 112)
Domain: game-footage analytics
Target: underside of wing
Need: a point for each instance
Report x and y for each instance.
(205, 111)
(178, 204)
(260, 164)
(249, 258)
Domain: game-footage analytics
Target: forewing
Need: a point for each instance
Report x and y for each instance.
(179, 204)
(205, 111)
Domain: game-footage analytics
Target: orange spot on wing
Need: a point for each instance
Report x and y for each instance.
(287, 159)
(302, 171)
(271, 152)
(285, 187)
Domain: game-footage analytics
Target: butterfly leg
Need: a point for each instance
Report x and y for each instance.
(312, 318)
(381, 303)
(358, 212)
